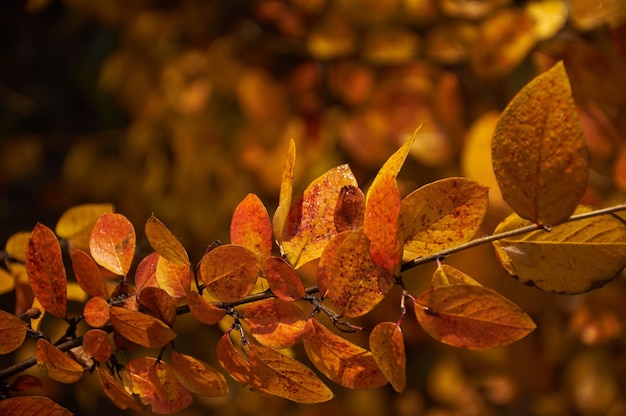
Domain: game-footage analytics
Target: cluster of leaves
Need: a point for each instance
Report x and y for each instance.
(361, 242)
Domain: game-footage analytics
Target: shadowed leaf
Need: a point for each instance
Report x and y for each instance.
(140, 328)
(229, 272)
(275, 323)
(59, 365)
(12, 332)
(197, 376)
(116, 392)
(283, 280)
(87, 274)
(203, 310)
(234, 363)
(164, 242)
(158, 303)
(387, 346)
(446, 275)
(350, 209)
(25, 382)
(96, 344)
(96, 312)
(250, 226)
(76, 223)
(32, 405)
(112, 243)
(173, 278)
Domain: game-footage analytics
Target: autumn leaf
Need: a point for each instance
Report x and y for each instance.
(76, 223)
(325, 267)
(197, 376)
(350, 209)
(12, 332)
(112, 243)
(116, 392)
(275, 323)
(539, 151)
(145, 274)
(159, 303)
(173, 278)
(7, 282)
(96, 344)
(575, 257)
(203, 310)
(229, 272)
(46, 273)
(341, 361)
(286, 193)
(32, 405)
(387, 346)
(60, 366)
(250, 226)
(283, 280)
(442, 214)
(87, 274)
(235, 364)
(285, 377)
(16, 245)
(96, 312)
(315, 226)
(470, 316)
(164, 242)
(446, 275)
(25, 382)
(140, 328)
(394, 163)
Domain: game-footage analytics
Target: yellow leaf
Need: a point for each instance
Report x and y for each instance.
(539, 150)
(447, 275)
(76, 223)
(164, 242)
(16, 245)
(229, 272)
(575, 257)
(387, 345)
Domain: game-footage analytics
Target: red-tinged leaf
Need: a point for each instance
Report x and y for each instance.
(250, 226)
(197, 376)
(286, 193)
(203, 310)
(306, 240)
(235, 364)
(229, 272)
(96, 312)
(283, 280)
(25, 382)
(156, 385)
(325, 265)
(381, 222)
(32, 405)
(175, 279)
(446, 275)
(116, 392)
(88, 275)
(12, 332)
(112, 243)
(285, 377)
(158, 303)
(145, 275)
(165, 243)
(442, 214)
(96, 344)
(60, 366)
(350, 209)
(471, 316)
(275, 323)
(76, 223)
(340, 360)
(140, 328)
(355, 283)
(46, 273)
(387, 346)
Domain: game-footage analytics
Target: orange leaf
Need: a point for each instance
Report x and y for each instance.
(340, 360)
(305, 239)
(325, 265)
(112, 243)
(96, 344)
(283, 280)
(46, 273)
(76, 223)
(145, 275)
(165, 243)
(471, 316)
(350, 209)
(229, 272)
(197, 376)
(12, 332)
(61, 367)
(116, 392)
(275, 323)
(96, 312)
(32, 405)
(285, 377)
(539, 150)
(286, 193)
(204, 311)
(25, 382)
(173, 278)
(88, 275)
(250, 226)
(237, 366)
(387, 345)
(158, 303)
(140, 328)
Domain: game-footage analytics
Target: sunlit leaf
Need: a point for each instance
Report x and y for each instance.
(112, 243)
(25, 382)
(539, 150)
(96, 312)
(286, 193)
(12, 332)
(16, 245)
(387, 346)
(283, 280)
(140, 328)
(575, 257)
(275, 323)
(116, 392)
(250, 226)
(145, 275)
(158, 303)
(87, 274)
(164, 242)
(442, 214)
(96, 344)
(316, 224)
(173, 278)
(285, 377)
(32, 405)
(229, 272)
(76, 223)
(340, 360)
(470, 316)
(46, 273)
(60, 366)
(325, 267)
(350, 209)
(203, 310)
(446, 275)
(235, 364)
(197, 376)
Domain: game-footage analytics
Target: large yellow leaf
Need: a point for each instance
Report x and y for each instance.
(16, 245)
(539, 151)
(61, 367)
(12, 332)
(164, 242)
(574, 257)
(442, 214)
(446, 275)
(76, 223)
(140, 328)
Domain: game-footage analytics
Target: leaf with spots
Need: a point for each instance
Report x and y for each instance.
(325, 265)
(12, 332)
(235, 364)
(442, 214)
(32, 405)
(165, 243)
(275, 323)
(140, 328)
(539, 152)
(387, 346)
(197, 376)
(350, 209)
(59, 365)
(283, 280)
(229, 272)
(112, 243)
(76, 223)
(250, 226)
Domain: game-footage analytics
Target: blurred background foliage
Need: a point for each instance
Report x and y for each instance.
(183, 107)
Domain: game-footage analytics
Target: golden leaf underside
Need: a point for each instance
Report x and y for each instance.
(203, 310)
(539, 151)
(229, 272)
(76, 223)
(235, 364)
(446, 275)
(60, 366)
(250, 226)
(173, 278)
(283, 280)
